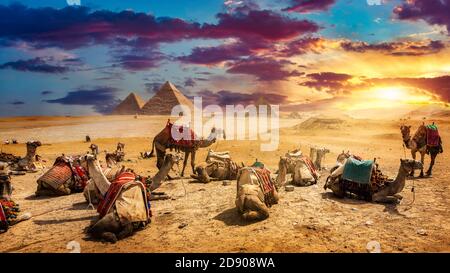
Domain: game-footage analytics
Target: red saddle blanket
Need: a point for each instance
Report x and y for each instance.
(114, 191)
(180, 139)
(433, 136)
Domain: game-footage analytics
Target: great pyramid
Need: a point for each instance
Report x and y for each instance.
(164, 100)
(131, 105)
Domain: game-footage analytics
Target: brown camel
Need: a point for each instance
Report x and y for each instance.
(163, 140)
(418, 143)
(388, 193)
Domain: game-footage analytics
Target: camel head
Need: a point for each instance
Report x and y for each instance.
(34, 143)
(410, 164)
(323, 151)
(343, 156)
(406, 132)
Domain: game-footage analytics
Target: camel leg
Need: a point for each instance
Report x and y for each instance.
(254, 209)
(413, 154)
(433, 158)
(384, 197)
(126, 231)
(422, 159)
(106, 228)
(193, 161)
(186, 155)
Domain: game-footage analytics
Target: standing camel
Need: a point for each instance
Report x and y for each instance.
(164, 140)
(418, 143)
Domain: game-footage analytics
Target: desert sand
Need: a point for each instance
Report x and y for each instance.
(308, 219)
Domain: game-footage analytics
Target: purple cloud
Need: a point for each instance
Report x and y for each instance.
(226, 97)
(404, 48)
(35, 65)
(265, 69)
(102, 99)
(435, 12)
(305, 6)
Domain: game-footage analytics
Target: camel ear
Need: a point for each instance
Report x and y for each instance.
(409, 127)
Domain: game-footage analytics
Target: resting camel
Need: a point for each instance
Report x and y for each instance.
(300, 166)
(217, 166)
(26, 163)
(317, 155)
(162, 141)
(112, 226)
(251, 201)
(388, 193)
(6, 190)
(418, 143)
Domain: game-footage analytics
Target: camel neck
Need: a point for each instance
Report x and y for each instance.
(160, 176)
(400, 180)
(281, 178)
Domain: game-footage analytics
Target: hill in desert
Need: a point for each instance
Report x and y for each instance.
(131, 105)
(429, 112)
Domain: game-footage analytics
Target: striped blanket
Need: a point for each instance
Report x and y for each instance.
(433, 138)
(265, 182)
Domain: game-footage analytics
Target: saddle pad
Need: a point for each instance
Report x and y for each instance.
(432, 136)
(59, 174)
(180, 142)
(358, 171)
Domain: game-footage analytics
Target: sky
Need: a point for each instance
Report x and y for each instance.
(82, 57)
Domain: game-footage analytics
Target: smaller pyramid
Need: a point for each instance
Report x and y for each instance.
(164, 100)
(131, 105)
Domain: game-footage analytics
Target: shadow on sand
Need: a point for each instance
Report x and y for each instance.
(61, 221)
(231, 217)
(389, 208)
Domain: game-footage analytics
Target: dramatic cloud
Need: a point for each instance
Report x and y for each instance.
(327, 81)
(102, 99)
(189, 82)
(265, 69)
(74, 27)
(305, 6)
(218, 54)
(17, 102)
(139, 61)
(435, 12)
(35, 65)
(439, 86)
(407, 48)
(45, 93)
(302, 46)
(225, 97)
(153, 87)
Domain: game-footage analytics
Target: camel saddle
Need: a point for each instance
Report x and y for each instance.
(433, 138)
(187, 143)
(66, 176)
(128, 198)
(358, 171)
(266, 184)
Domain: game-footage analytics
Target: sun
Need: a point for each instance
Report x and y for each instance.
(390, 93)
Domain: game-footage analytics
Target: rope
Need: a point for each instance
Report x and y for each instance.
(90, 205)
(182, 180)
(413, 186)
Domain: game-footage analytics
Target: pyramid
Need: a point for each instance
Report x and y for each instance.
(164, 100)
(131, 105)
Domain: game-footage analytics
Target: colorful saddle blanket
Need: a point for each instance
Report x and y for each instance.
(358, 171)
(128, 197)
(9, 211)
(433, 138)
(180, 139)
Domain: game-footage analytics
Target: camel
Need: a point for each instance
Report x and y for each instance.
(26, 163)
(387, 192)
(163, 140)
(418, 143)
(88, 138)
(94, 149)
(300, 166)
(113, 226)
(217, 166)
(9, 209)
(117, 156)
(253, 196)
(317, 155)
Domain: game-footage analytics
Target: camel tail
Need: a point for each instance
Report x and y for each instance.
(152, 154)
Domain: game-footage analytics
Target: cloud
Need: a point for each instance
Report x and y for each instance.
(306, 6)
(302, 46)
(265, 69)
(139, 61)
(226, 97)
(435, 12)
(153, 87)
(217, 54)
(35, 65)
(189, 82)
(17, 102)
(75, 27)
(102, 99)
(404, 48)
(47, 92)
(330, 82)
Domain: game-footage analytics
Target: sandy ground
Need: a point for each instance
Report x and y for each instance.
(306, 220)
